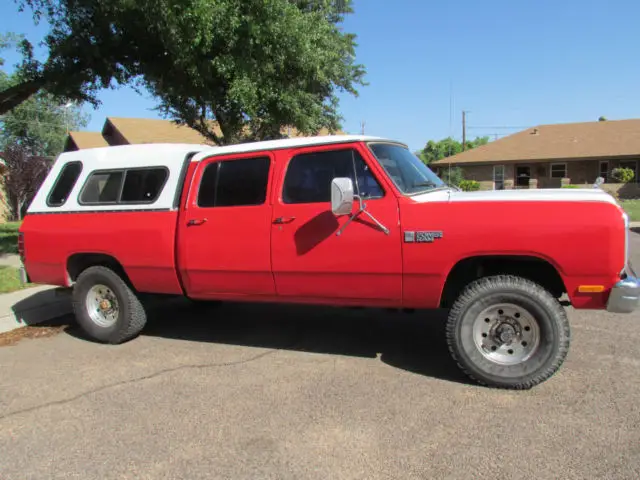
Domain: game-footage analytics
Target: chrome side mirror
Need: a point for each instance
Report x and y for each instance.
(341, 196)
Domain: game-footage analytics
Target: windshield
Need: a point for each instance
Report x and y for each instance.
(406, 170)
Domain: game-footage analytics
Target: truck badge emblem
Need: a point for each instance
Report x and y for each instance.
(421, 237)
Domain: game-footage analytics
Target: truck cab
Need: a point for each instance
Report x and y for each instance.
(334, 220)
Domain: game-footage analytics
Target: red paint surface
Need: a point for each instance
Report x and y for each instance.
(143, 243)
(240, 253)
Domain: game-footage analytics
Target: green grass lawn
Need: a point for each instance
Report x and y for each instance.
(10, 280)
(632, 207)
(9, 237)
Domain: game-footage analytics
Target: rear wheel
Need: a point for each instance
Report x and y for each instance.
(508, 332)
(106, 307)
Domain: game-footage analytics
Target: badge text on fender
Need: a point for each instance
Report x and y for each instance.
(421, 237)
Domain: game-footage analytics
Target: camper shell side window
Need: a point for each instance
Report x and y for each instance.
(64, 184)
(124, 186)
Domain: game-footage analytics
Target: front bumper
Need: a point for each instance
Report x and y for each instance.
(625, 294)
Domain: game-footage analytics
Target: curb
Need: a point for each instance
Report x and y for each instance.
(33, 306)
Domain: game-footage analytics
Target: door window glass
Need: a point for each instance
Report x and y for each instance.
(309, 176)
(234, 183)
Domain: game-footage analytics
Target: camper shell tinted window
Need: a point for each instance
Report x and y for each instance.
(64, 184)
(124, 186)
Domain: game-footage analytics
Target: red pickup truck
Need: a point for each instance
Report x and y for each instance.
(335, 220)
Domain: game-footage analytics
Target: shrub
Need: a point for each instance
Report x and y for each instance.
(469, 185)
(622, 175)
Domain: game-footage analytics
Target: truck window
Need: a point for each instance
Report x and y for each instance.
(102, 187)
(143, 185)
(309, 176)
(64, 184)
(234, 183)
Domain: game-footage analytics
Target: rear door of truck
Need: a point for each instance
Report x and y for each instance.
(224, 246)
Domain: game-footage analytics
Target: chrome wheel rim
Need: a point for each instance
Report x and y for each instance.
(506, 334)
(102, 305)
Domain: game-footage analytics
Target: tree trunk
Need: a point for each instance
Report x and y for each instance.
(15, 95)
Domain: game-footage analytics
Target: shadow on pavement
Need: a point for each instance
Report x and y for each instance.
(43, 304)
(409, 341)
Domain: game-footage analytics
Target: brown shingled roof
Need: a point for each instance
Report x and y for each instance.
(148, 130)
(151, 130)
(88, 139)
(568, 141)
(124, 131)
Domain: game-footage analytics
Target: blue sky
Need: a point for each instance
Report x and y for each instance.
(509, 63)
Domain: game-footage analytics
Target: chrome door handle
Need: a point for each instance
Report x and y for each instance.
(196, 222)
(281, 220)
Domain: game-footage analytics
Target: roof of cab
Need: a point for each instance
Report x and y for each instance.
(287, 143)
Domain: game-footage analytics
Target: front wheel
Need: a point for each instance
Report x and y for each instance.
(508, 332)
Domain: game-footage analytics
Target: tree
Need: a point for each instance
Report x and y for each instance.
(452, 175)
(448, 147)
(31, 135)
(602, 119)
(253, 66)
(40, 123)
(24, 175)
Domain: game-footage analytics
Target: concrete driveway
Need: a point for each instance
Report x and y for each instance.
(257, 391)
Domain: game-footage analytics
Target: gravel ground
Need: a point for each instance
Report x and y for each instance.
(257, 391)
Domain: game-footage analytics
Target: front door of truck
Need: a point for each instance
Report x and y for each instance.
(224, 244)
(309, 259)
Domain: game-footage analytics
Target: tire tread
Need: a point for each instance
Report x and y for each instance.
(486, 285)
(137, 318)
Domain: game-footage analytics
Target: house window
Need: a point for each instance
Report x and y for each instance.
(235, 183)
(632, 164)
(604, 170)
(558, 170)
(498, 177)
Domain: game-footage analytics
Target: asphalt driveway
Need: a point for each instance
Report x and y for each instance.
(256, 391)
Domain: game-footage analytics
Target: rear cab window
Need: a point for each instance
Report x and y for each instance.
(64, 184)
(234, 183)
(124, 186)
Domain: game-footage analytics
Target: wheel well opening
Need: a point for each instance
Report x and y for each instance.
(532, 268)
(79, 262)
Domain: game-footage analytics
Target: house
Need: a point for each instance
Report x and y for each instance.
(550, 156)
(127, 131)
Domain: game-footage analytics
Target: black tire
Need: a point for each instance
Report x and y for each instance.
(543, 360)
(131, 316)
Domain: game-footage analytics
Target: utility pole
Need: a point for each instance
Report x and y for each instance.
(362, 124)
(464, 130)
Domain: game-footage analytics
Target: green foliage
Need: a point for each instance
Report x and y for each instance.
(452, 176)
(447, 147)
(469, 185)
(253, 66)
(9, 237)
(622, 175)
(40, 123)
(572, 186)
(632, 207)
